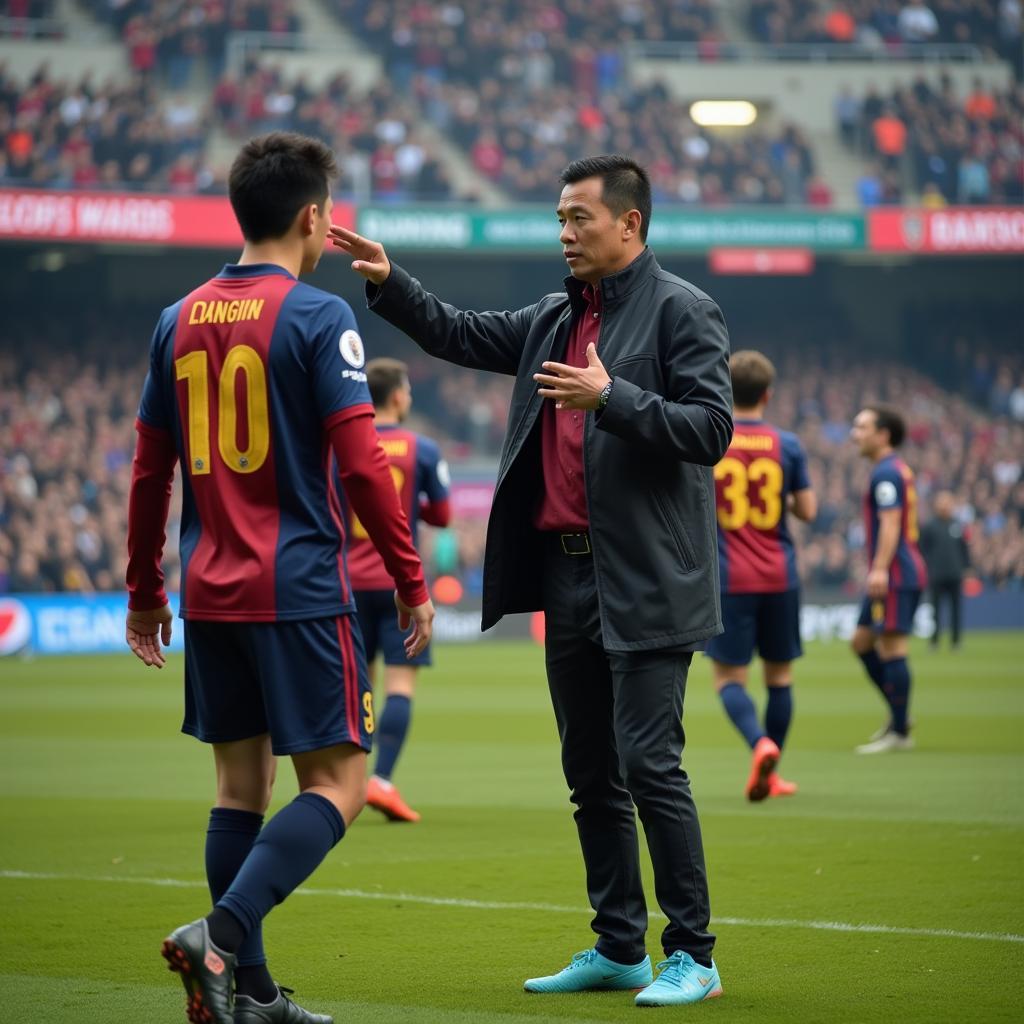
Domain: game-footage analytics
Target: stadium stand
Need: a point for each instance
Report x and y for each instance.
(373, 132)
(525, 88)
(174, 37)
(99, 134)
(66, 434)
(952, 147)
(891, 25)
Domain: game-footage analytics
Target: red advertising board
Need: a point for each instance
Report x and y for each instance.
(761, 261)
(956, 229)
(199, 221)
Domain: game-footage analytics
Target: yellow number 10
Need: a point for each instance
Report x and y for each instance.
(194, 369)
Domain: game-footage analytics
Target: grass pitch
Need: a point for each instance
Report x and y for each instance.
(889, 889)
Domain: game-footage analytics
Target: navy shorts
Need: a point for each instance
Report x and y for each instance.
(305, 683)
(769, 623)
(894, 614)
(378, 621)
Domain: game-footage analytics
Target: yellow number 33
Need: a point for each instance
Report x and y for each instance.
(762, 480)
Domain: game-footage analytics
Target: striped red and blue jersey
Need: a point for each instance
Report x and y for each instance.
(892, 487)
(248, 374)
(419, 472)
(761, 468)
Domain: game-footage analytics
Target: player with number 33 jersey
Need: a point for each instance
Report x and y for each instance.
(763, 475)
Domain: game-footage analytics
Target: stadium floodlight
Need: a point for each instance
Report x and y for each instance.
(723, 113)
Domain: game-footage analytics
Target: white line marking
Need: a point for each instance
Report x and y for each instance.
(546, 908)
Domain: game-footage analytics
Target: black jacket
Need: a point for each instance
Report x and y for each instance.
(647, 455)
(945, 550)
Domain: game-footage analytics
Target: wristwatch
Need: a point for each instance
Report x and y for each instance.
(606, 393)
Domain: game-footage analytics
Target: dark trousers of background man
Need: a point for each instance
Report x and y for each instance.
(619, 719)
(943, 591)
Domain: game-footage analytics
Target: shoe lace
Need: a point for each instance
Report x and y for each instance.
(581, 959)
(675, 968)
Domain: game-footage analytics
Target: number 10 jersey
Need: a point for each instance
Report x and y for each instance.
(762, 467)
(248, 374)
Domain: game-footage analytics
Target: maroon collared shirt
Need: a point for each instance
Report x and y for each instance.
(563, 504)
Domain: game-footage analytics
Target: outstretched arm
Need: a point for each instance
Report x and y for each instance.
(482, 341)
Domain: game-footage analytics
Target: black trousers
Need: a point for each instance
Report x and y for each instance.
(943, 591)
(619, 719)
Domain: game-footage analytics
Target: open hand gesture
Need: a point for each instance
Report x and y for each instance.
(368, 257)
(574, 387)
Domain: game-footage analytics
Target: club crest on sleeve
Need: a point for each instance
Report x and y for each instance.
(885, 493)
(351, 347)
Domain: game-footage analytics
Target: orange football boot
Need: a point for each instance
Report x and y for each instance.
(778, 786)
(766, 757)
(385, 797)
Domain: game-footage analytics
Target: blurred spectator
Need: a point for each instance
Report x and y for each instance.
(918, 23)
(847, 111)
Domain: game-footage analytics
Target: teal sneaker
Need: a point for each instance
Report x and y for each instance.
(682, 980)
(590, 972)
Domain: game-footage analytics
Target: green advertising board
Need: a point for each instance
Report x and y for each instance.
(530, 229)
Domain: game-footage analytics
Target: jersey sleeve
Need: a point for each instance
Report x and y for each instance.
(796, 463)
(153, 406)
(337, 365)
(435, 479)
(887, 489)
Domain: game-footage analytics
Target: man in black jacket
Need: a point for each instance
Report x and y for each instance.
(604, 517)
(944, 547)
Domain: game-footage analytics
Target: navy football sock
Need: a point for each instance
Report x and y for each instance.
(779, 713)
(873, 667)
(287, 851)
(740, 708)
(391, 732)
(229, 838)
(897, 690)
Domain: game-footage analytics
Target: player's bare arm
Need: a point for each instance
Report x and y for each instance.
(573, 387)
(888, 541)
(146, 631)
(804, 505)
(368, 257)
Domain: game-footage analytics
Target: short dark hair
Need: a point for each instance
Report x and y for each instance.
(384, 377)
(888, 417)
(273, 177)
(752, 375)
(624, 184)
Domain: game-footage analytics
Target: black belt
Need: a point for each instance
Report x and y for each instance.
(573, 543)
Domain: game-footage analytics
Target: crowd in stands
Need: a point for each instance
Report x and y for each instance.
(993, 26)
(526, 87)
(94, 134)
(523, 88)
(172, 38)
(374, 134)
(943, 146)
(570, 42)
(66, 441)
